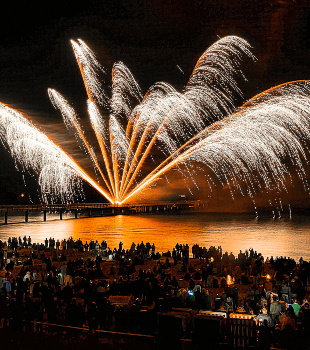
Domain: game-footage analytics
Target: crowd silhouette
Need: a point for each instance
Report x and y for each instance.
(78, 284)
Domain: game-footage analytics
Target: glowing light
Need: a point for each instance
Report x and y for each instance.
(243, 149)
(229, 280)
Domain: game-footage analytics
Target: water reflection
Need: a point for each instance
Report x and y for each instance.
(270, 237)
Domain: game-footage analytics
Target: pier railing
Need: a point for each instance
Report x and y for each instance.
(93, 209)
(53, 207)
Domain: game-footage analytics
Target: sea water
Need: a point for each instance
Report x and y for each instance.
(288, 237)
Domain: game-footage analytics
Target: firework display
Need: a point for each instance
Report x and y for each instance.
(240, 148)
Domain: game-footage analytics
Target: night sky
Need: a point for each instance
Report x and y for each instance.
(152, 37)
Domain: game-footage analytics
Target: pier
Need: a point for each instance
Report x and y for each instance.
(93, 209)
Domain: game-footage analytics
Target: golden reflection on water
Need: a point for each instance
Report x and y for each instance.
(233, 233)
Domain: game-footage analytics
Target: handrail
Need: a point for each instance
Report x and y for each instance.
(97, 330)
(80, 206)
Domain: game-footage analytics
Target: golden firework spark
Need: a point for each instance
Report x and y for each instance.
(241, 148)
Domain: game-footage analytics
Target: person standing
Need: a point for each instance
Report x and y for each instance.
(86, 247)
(174, 256)
(296, 307)
(120, 247)
(92, 317)
(275, 309)
(63, 270)
(64, 245)
(288, 323)
(235, 297)
(264, 336)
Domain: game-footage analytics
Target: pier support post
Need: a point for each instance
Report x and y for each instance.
(60, 214)
(89, 213)
(44, 215)
(6, 217)
(26, 216)
(75, 213)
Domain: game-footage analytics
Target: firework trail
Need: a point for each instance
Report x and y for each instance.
(246, 150)
(59, 174)
(90, 69)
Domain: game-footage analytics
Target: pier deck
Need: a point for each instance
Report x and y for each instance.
(93, 209)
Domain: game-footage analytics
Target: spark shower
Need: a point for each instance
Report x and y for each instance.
(257, 148)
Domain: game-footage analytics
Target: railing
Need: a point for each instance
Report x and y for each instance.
(81, 206)
(105, 208)
(54, 207)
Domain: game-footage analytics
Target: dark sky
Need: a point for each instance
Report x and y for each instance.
(151, 37)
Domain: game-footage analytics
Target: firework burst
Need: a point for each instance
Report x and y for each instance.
(242, 149)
